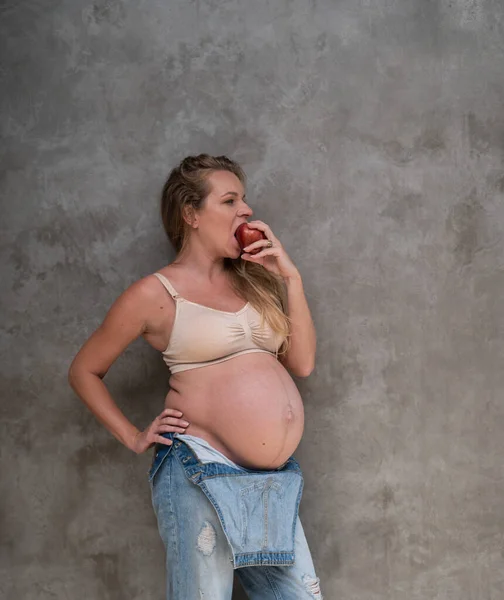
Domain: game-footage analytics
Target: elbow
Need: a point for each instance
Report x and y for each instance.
(80, 369)
(76, 374)
(305, 370)
(74, 371)
(72, 377)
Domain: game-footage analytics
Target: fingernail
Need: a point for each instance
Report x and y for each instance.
(185, 423)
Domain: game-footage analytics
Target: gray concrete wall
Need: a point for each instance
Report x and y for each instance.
(373, 136)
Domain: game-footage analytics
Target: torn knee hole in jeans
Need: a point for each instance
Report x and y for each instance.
(312, 585)
(207, 539)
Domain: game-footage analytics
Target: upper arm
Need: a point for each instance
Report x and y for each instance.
(125, 321)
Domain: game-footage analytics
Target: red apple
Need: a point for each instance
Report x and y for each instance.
(245, 236)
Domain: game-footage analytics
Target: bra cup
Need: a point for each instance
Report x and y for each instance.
(207, 343)
(262, 336)
(201, 336)
(259, 336)
(236, 331)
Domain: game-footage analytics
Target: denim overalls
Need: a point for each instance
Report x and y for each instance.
(214, 518)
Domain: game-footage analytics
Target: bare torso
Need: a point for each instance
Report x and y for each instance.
(248, 407)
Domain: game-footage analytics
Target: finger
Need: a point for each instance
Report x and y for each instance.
(254, 245)
(171, 412)
(257, 224)
(171, 428)
(173, 421)
(159, 439)
(262, 254)
(266, 229)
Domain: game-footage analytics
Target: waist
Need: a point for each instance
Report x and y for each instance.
(206, 453)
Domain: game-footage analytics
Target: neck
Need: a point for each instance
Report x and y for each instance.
(200, 262)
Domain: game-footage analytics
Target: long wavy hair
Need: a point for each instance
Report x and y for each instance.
(187, 186)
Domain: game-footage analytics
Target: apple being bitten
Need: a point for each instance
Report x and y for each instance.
(245, 236)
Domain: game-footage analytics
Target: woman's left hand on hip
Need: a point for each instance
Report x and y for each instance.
(273, 258)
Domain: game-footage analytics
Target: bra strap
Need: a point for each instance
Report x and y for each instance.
(173, 292)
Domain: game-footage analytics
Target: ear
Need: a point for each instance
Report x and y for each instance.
(190, 216)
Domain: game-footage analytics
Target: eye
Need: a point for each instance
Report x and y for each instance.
(233, 200)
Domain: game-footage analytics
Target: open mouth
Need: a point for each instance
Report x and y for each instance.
(236, 228)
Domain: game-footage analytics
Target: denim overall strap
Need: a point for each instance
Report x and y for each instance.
(257, 510)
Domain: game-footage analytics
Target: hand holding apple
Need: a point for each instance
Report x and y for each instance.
(273, 258)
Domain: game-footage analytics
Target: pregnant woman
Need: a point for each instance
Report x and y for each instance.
(231, 323)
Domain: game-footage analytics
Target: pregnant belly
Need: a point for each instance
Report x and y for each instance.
(248, 408)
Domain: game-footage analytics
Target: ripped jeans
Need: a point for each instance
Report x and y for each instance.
(203, 537)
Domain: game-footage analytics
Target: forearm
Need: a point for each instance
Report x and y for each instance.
(95, 395)
(301, 354)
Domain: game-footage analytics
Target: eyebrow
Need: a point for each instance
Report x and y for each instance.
(233, 194)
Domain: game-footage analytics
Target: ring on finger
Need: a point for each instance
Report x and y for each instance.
(269, 244)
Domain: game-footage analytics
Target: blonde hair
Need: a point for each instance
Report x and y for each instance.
(187, 187)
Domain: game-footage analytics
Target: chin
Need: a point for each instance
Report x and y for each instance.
(235, 253)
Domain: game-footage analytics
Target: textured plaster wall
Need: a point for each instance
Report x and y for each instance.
(373, 136)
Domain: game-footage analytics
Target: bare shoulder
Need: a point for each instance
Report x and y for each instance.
(137, 299)
(147, 288)
(147, 300)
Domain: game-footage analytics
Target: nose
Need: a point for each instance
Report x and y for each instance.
(245, 210)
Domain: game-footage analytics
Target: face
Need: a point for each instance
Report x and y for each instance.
(223, 210)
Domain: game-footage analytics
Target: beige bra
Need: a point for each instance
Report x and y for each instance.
(203, 336)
